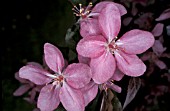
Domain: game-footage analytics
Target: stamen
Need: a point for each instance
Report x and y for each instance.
(81, 9)
(112, 81)
(112, 46)
(82, 12)
(89, 6)
(75, 8)
(75, 11)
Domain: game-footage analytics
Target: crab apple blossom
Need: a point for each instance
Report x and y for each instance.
(117, 76)
(89, 17)
(101, 47)
(63, 85)
(27, 86)
(90, 90)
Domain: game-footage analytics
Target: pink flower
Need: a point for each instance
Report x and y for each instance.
(101, 47)
(28, 86)
(23, 88)
(117, 76)
(89, 17)
(164, 16)
(158, 29)
(62, 85)
(90, 90)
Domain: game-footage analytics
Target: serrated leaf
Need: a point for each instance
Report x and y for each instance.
(133, 87)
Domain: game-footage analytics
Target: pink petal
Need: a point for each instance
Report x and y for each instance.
(32, 94)
(78, 75)
(127, 20)
(166, 55)
(158, 29)
(91, 46)
(109, 21)
(130, 65)
(89, 27)
(160, 64)
(161, 39)
(158, 48)
(135, 41)
(84, 60)
(114, 87)
(122, 9)
(165, 15)
(29, 100)
(35, 64)
(103, 67)
(38, 88)
(21, 90)
(34, 74)
(89, 92)
(134, 10)
(48, 99)
(99, 7)
(118, 75)
(71, 99)
(21, 80)
(53, 57)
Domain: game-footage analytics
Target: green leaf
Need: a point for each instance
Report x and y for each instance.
(110, 102)
(60, 108)
(72, 55)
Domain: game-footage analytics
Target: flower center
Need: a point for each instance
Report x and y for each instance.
(112, 46)
(82, 12)
(105, 86)
(59, 79)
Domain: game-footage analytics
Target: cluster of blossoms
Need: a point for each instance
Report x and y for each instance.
(157, 59)
(103, 58)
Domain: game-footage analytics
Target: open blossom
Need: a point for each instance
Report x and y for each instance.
(117, 76)
(101, 47)
(90, 90)
(27, 86)
(89, 17)
(62, 85)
